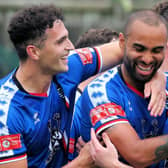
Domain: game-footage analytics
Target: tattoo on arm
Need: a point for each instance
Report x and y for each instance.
(161, 152)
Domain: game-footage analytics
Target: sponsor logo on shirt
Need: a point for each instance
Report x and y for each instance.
(9, 142)
(85, 55)
(104, 111)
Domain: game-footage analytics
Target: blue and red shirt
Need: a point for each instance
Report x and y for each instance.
(38, 126)
(108, 101)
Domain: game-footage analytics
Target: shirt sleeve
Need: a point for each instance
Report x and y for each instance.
(84, 63)
(107, 115)
(12, 147)
(102, 104)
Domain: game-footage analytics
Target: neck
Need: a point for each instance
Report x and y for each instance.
(127, 78)
(32, 80)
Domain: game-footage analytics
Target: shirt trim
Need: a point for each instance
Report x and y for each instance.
(13, 159)
(109, 124)
(100, 60)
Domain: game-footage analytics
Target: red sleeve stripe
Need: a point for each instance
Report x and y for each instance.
(100, 60)
(166, 93)
(13, 159)
(109, 124)
(71, 145)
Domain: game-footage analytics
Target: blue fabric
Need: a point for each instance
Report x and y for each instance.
(34, 118)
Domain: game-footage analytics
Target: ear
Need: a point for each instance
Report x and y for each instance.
(33, 52)
(121, 41)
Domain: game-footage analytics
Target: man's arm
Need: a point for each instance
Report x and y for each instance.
(15, 164)
(106, 157)
(156, 88)
(111, 55)
(139, 153)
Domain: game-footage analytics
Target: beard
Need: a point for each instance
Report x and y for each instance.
(137, 78)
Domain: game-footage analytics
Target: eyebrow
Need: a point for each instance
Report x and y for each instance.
(139, 45)
(159, 47)
(61, 39)
(142, 46)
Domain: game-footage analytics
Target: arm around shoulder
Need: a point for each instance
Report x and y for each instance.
(112, 54)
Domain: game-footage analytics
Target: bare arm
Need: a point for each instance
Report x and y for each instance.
(106, 157)
(15, 164)
(111, 54)
(139, 153)
(156, 88)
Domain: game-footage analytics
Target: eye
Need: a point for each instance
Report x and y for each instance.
(157, 50)
(139, 48)
(61, 40)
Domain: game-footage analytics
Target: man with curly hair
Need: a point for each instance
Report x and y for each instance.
(37, 98)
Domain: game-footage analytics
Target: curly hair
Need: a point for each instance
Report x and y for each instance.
(95, 37)
(162, 9)
(29, 24)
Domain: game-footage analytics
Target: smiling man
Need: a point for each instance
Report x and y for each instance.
(114, 102)
(37, 98)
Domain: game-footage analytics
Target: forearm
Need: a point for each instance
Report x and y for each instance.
(138, 152)
(148, 151)
(111, 54)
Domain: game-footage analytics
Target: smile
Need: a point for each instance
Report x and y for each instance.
(145, 68)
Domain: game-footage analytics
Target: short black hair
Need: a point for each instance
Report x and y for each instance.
(147, 16)
(95, 37)
(28, 26)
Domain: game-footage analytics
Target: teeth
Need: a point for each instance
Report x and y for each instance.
(144, 68)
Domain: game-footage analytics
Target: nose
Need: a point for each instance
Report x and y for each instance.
(70, 45)
(147, 58)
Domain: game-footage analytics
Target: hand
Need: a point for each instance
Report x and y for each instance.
(156, 88)
(80, 144)
(86, 160)
(106, 157)
(83, 160)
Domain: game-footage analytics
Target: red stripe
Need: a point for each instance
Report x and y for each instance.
(67, 104)
(13, 158)
(39, 94)
(135, 90)
(71, 145)
(110, 122)
(64, 143)
(99, 59)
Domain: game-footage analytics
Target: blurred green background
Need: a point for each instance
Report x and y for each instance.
(80, 15)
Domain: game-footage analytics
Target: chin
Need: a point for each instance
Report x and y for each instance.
(65, 69)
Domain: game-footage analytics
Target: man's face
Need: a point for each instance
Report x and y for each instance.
(144, 51)
(55, 50)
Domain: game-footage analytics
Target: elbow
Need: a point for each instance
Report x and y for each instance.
(137, 160)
